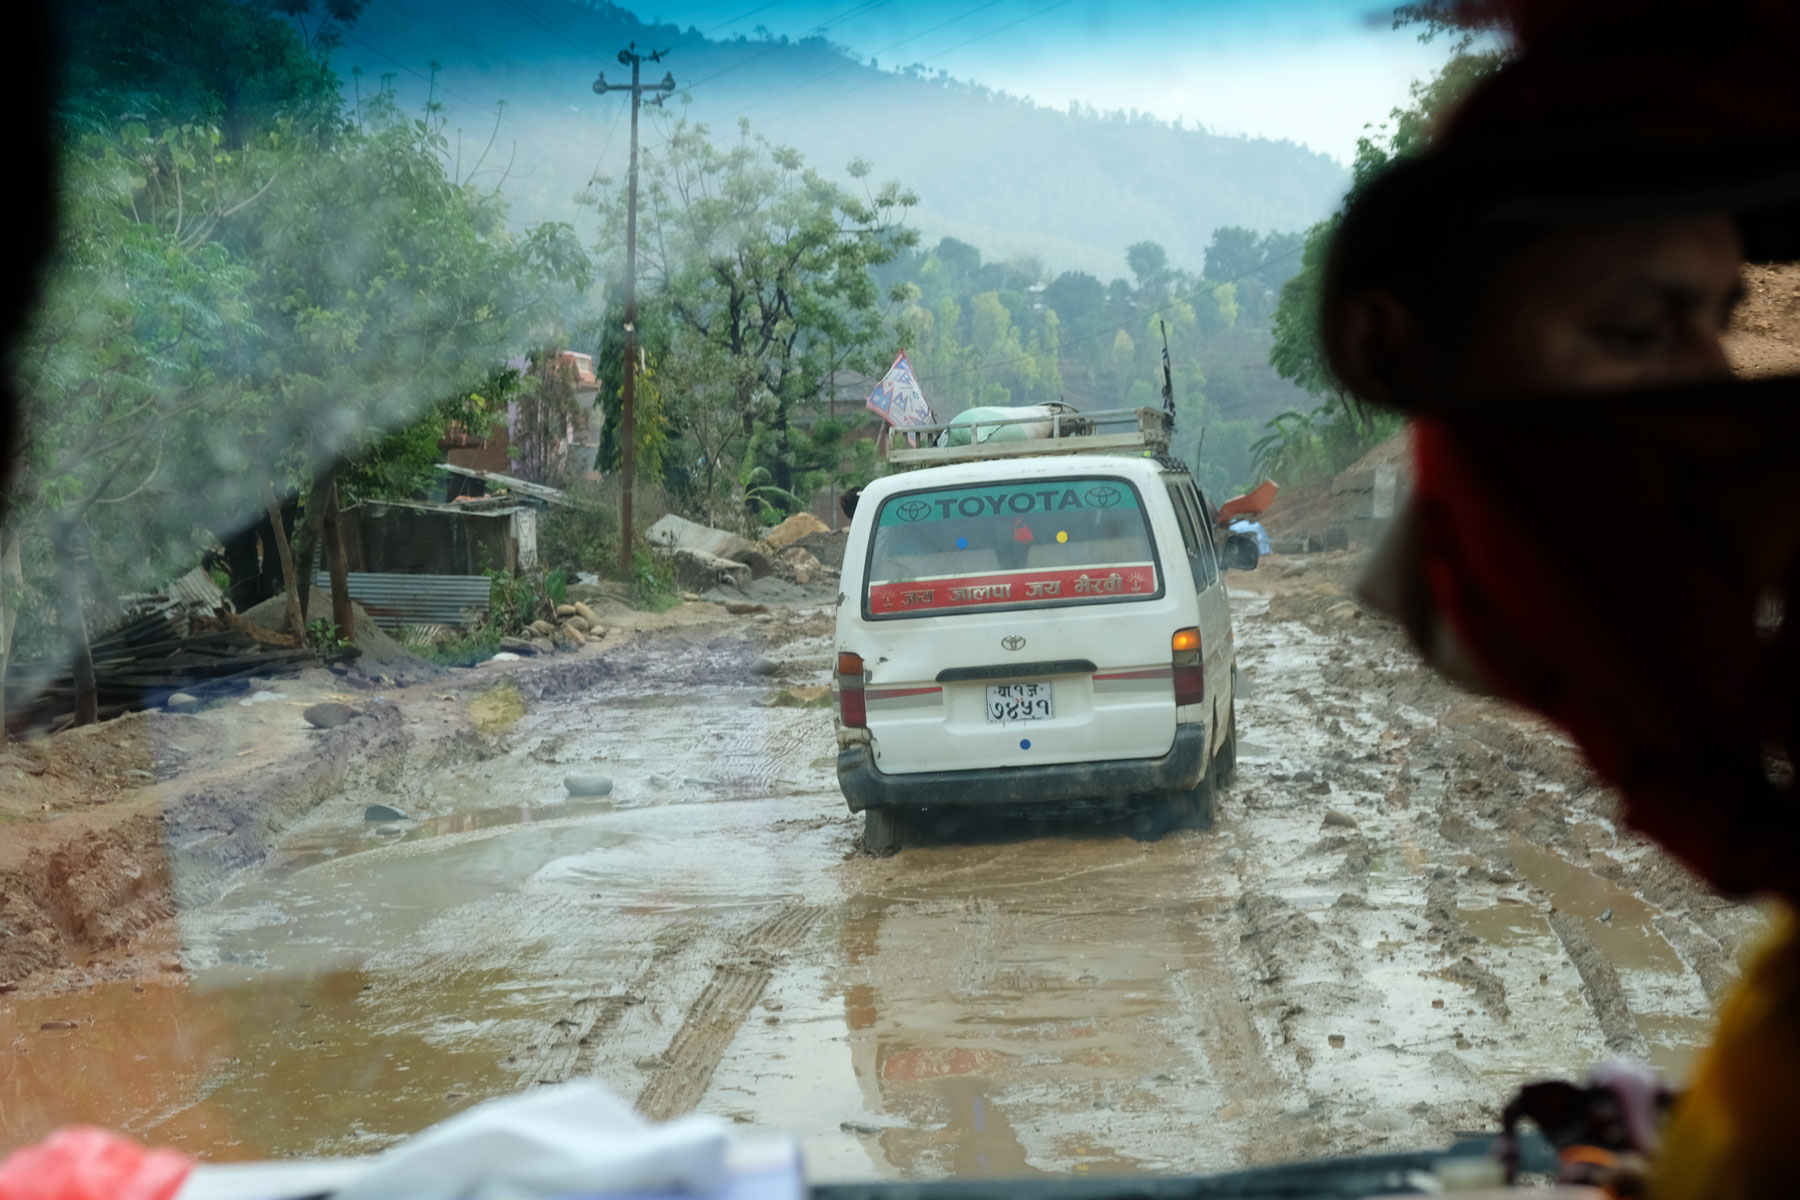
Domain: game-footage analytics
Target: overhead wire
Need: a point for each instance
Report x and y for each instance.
(439, 84)
(543, 22)
(775, 46)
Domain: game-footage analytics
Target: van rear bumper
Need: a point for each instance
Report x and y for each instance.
(866, 787)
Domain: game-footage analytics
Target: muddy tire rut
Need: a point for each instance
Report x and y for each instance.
(1491, 924)
(1411, 902)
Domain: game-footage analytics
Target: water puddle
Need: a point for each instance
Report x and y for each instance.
(1618, 920)
(1507, 924)
(311, 851)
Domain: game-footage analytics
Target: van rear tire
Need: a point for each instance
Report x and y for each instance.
(1225, 762)
(884, 830)
(1191, 808)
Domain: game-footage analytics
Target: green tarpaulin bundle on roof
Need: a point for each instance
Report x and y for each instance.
(966, 428)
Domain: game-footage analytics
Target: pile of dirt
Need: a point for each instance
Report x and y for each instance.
(381, 653)
(90, 765)
(80, 883)
(1298, 513)
(1764, 338)
(1306, 517)
(797, 527)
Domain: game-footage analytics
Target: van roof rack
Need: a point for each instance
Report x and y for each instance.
(1132, 432)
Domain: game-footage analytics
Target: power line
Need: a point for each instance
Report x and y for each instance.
(543, 22)
(773, 47)
(441, 85)
(734, 20)
(606, 145)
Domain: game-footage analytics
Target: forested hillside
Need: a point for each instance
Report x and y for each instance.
(1005, 175)
(1011, 332)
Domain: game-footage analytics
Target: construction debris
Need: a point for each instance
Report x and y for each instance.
(147, 662)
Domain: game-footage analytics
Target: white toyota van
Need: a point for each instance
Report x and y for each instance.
(1041, 627)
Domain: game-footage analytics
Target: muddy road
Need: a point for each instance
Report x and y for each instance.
(1412, 901)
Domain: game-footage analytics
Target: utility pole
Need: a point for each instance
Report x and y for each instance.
(627, 432)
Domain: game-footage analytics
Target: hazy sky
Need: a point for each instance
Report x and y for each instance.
(1312, 71)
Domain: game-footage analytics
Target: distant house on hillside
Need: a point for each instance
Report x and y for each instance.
(494, 450)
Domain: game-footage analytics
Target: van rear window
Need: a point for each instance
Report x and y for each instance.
(1024, 544)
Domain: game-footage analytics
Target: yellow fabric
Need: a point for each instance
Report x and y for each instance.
(1735, 1135)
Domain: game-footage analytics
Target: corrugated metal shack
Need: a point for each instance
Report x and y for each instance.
(423, 562)
(420, 537)
(416, 562)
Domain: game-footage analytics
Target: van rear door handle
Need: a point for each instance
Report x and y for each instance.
(1055, 666)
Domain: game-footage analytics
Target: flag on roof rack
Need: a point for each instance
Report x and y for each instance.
(899, 401)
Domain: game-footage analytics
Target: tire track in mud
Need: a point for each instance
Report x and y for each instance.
(1233, 1047)
(1367, 773)
(569, 1047)
(1702, 954)
(1600, 984)
(680, 1075)
(757, 758)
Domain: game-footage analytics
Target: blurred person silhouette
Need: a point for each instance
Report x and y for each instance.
(1543, 292)
(25, 144)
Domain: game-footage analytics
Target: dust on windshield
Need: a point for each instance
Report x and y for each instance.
(427, 673)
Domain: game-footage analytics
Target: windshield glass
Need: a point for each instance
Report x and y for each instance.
(1037, 542)
(427, 667)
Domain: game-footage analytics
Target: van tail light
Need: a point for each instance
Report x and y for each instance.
(1190, 672)
(851, 706)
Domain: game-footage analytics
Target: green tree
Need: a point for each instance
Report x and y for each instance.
(1149, 264)
(1255, 266)
(761, 269)
(1339, 430)
(247, 288)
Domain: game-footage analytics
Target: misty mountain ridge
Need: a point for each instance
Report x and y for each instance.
(1071, 188)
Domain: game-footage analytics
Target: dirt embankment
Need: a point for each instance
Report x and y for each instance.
(1764, 338)
(1306, 516)
(107, 831)
(102, 861)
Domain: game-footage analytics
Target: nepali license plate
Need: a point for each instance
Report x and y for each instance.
(1019, 702)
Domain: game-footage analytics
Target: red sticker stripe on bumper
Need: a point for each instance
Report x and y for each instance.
(1013, 587)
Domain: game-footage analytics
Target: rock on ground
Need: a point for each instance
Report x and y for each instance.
(678, 533)
(800, 525)
(699, 569)
(329, 715)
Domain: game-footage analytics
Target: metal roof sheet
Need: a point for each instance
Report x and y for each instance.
(524, 487)
(193, 590)
(397, 600)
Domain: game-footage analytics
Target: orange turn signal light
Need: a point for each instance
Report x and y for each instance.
(850, 664)
(1184, 639)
